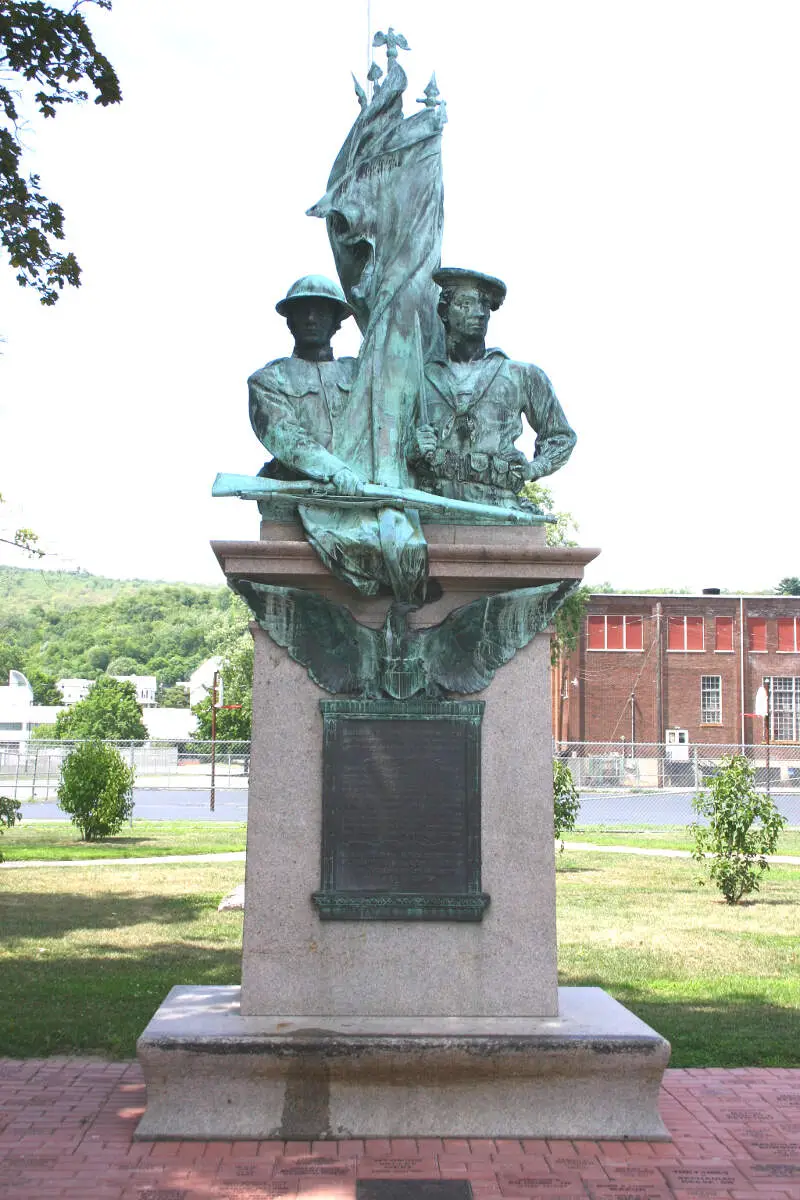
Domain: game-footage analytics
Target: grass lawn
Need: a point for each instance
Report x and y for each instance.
(86, 956)
(61, 840)
(721, 982)
(661, 837)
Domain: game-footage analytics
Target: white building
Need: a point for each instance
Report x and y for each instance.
(145, 688)
(16, 701)
(19, 716)
(169, 724)
(74, 690)
(201, 680)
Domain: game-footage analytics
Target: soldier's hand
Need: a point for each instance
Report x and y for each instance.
(426, 440)
(348, 483)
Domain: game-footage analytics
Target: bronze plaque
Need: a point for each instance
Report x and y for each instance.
(401, 810)
(413, 1189)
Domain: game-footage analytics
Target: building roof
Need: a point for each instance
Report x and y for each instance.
(691, 596)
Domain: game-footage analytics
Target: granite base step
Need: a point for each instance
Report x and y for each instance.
(592, 1072)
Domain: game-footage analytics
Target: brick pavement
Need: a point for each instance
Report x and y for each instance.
(66, 1127)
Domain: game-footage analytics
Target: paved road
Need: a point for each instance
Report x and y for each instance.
(654, 808)
(153, 804)
(661, 808)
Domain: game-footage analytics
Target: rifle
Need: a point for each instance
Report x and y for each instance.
(373, 495)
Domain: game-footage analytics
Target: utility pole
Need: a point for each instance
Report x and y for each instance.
(214, 687)
(216, 690)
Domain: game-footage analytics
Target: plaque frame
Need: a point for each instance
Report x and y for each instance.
(332, 902)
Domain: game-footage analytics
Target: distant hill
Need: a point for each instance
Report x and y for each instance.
(56, 624)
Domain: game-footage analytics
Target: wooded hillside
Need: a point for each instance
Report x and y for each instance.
(55, 624)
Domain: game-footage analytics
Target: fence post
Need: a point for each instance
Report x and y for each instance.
(696, 772)
(33, 778)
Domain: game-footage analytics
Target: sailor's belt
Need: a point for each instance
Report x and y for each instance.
(489, 469)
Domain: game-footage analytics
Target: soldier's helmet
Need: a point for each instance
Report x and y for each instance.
(311, 286)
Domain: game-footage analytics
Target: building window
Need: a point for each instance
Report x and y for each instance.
(685, 633)
(710, 699)
(788, 635)
(11, 726)
(724, 635)
(784, 707)
(614, 632)
(757, 635)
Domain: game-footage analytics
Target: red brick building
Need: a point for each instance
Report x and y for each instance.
(681, 669)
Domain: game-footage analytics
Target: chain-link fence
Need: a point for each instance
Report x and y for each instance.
(619, 784)
(654, 784)
(31, 771)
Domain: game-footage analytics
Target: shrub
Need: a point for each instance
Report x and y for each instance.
(566, 801)
(743, 826)
(95, 789)
(9, 814)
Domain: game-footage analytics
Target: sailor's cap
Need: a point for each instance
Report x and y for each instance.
(453, 277)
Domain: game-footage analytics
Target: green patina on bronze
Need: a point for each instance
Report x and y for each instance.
(416, 855)
(423, 423)
(460, 654)
(373, 496)
(425, 405)
(472, 400)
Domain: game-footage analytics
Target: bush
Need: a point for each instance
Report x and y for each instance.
(744, 826)
(566, 801)
(95, 789)
(9, 814)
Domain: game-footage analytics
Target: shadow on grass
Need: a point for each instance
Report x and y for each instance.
(100, 1002)
(737, 1029)
(57, 914)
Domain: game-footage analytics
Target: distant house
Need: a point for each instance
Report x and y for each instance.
(74, 690)
(145, 686)
(201, 680)
(19, 716)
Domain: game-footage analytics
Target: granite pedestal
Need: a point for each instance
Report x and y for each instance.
(592, 1072)
(401, 1028)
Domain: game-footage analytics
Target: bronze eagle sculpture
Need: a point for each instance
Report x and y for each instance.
(461, 654)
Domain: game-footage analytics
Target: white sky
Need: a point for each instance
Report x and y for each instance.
(630, 169)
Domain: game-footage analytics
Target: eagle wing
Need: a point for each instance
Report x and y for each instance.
(339, 654)
(464, 651)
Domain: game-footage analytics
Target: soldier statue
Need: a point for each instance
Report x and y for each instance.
(298, 405)
(469, 415)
